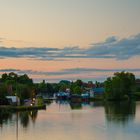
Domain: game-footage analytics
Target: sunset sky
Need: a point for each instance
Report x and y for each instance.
(69, 39)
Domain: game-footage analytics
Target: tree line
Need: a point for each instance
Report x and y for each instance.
(121, 85)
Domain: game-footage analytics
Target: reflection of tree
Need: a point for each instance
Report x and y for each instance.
(62, 102)
(33, 115)
(85, 103)
(5, 115)
(48, 102)
(96, 104)
(76, 105)
(26, 116)
(120, 112)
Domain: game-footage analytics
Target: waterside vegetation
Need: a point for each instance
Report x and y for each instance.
(122, 86)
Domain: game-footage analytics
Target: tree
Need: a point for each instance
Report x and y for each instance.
(25, 91)
(13, 84)
(76, 87)
(3, 90)
(50, 89)
(42, 87)
(24, 79)
(121, 85)
(77, 90)
(56, 87)
(79, 83)
(63, 87)
(4, 77)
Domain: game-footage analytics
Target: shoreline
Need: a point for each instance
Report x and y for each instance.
(23, 108)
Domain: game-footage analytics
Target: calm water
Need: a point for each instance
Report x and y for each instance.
(64, 121)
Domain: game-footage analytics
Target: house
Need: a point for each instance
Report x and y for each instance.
(13, 100)
(97, 91)
(85, 96)
(62, 95)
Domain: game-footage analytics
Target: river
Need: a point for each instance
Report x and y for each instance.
(68, 121)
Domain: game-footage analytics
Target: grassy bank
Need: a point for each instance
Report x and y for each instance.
(23, 108)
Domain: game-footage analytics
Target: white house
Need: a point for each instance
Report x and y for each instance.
(14, 100)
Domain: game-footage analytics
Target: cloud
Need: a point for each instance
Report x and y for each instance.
(85, 74)
(88, 70)
(27, 52)
(9, 70)
(117, 48)
(112, 47)
(67, 71)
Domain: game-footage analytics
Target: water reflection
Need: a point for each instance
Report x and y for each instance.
(66, 120)
(96, 104)
(120, 112)
(73, 105)
(76, 105)
(26, 116)
(62, 102)
(5, 115)
(23, 117)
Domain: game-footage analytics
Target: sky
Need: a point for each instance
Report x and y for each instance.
(69, 39)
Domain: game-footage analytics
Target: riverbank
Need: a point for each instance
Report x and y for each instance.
(23, 108)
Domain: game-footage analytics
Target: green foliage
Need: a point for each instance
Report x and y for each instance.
(25, 91)
(77, 90)
(42, 87)
(14, 78)
(3, 90)
(79, 83)
(45, 88)
(64, 82)
(40, 101)
(13, 84)
(77, 87)
(137, 85)
(24, 79)
(63, 87)
(50, 89)
(56, 87)
(120, 86)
